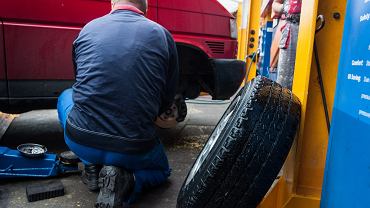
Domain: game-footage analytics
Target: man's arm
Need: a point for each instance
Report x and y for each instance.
(172, 78)
(74, 60)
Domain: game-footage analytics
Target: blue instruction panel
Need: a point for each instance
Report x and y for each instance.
(347, 171)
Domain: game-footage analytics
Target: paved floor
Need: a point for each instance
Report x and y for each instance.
(183, 143)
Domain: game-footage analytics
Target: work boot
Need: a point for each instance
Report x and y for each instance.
(115, 185)
(90, 176)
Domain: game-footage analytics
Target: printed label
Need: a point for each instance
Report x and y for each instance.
(357, 62)
(365, 97)
(364, 113)
(366, 79)
(365, 17)
(354, 77)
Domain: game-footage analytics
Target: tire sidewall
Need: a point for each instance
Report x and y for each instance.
(237, 105)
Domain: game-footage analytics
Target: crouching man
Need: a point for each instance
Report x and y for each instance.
(126, 75)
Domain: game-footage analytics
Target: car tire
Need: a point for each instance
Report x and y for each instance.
(246, 150)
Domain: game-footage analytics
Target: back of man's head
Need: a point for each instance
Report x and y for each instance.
(140, 4)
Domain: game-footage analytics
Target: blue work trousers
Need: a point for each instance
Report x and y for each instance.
(150, 169)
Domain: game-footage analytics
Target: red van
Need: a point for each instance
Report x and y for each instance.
(36, 41)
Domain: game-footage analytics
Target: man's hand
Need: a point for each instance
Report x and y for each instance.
(277, 9)
(174, 114)
(182, 109)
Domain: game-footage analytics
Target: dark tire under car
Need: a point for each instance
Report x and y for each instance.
(246, 150)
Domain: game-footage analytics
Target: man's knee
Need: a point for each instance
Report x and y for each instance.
(65, 95)
(65, 103)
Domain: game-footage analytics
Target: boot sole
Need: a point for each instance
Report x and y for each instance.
(110, 196)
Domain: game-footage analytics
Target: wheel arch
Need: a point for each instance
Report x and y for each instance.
(196, 73)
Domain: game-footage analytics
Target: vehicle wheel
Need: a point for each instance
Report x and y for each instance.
(246, 150)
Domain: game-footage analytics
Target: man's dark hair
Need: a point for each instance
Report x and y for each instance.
(141, 3)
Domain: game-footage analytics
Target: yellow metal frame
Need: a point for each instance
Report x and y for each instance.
(250, 12)
(300, 181)
(314, 137)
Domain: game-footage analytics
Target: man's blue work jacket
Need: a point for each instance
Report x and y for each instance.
(127, 73)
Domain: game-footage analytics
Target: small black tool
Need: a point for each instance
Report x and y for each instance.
(43, 191)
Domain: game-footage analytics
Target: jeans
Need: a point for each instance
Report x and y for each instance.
(149, 169)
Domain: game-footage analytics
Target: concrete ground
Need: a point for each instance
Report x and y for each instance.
(183, 143)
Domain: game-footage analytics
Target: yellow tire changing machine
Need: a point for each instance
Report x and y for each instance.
(330, 170)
